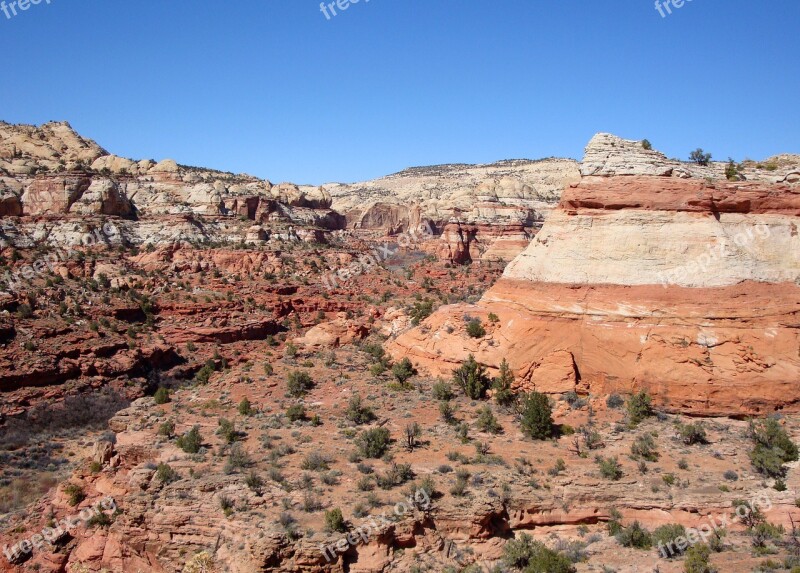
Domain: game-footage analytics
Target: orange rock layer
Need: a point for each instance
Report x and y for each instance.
(720, 351)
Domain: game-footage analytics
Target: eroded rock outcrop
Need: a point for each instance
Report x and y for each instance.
(685, 287)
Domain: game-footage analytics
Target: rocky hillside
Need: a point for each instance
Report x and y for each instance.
(52, 176)
(651, 274)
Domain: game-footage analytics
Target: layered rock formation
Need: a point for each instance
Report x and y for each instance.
(471, 205)
(50, 171)
(657, 279)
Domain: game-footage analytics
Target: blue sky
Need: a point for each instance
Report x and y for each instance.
(273, 88)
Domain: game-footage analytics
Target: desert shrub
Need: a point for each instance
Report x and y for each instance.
(413, 432)
(730, 475)
(635, 536)
(615, 401)
(647, 145)
(639, 407)
(357, 412)
(403, 370)
(501, 385)
(475, 329)
(526, 554)
(396, 475)
(167, 429)
(373, 443)
(245, 408)
(299, 383)
(472, 379)
(536, 416)
(669, 479)
(161, 396)
(334, 521)
(644, 446)
(665, 538)
(165, 474)
(227, 431)
(237, 459)
(75, 494)
(773, 447)
(442, 391)
(447, 412)
(697, 559)
(487, 422)
(763, 533)
(254, 482)
(191, 441)
(700, 157)
(315, 462)
(296, 413)
(609, 468)
(691, 434)
(559, 467)
(420, 311)
(24, 311)
(731, 172)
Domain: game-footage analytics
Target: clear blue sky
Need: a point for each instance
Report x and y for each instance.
(272, 88)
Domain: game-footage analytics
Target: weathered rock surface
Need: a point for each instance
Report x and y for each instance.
(687, 288)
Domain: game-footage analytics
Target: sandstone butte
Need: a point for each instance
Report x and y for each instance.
(649, 275)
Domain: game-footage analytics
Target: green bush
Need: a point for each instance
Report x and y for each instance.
(536, 416)
(731, 171)
(639, 407)
(635, 536)
(532, 556)
(615, 401)
(334, 521)
(691, 434)
(773, 447)
(296, 413)
(472, 379)
(665, 538)
(191, 441)
(161, 396)
(647, 145)
(227, 431)
(442, 391)
(475, 328)
(75, 494)
(245, 408)
(403, 370)
(373, 443)
(697, 559)
(167, 429)
(299, 383)
(699, 157)
(501, 385)
(487, 422)
(165, 473)
(447, 412)
(357, 412)
(609, 468)
(644, 447)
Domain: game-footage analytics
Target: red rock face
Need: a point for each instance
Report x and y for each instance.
(464, 243)
(680, 195)
(729, 348)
